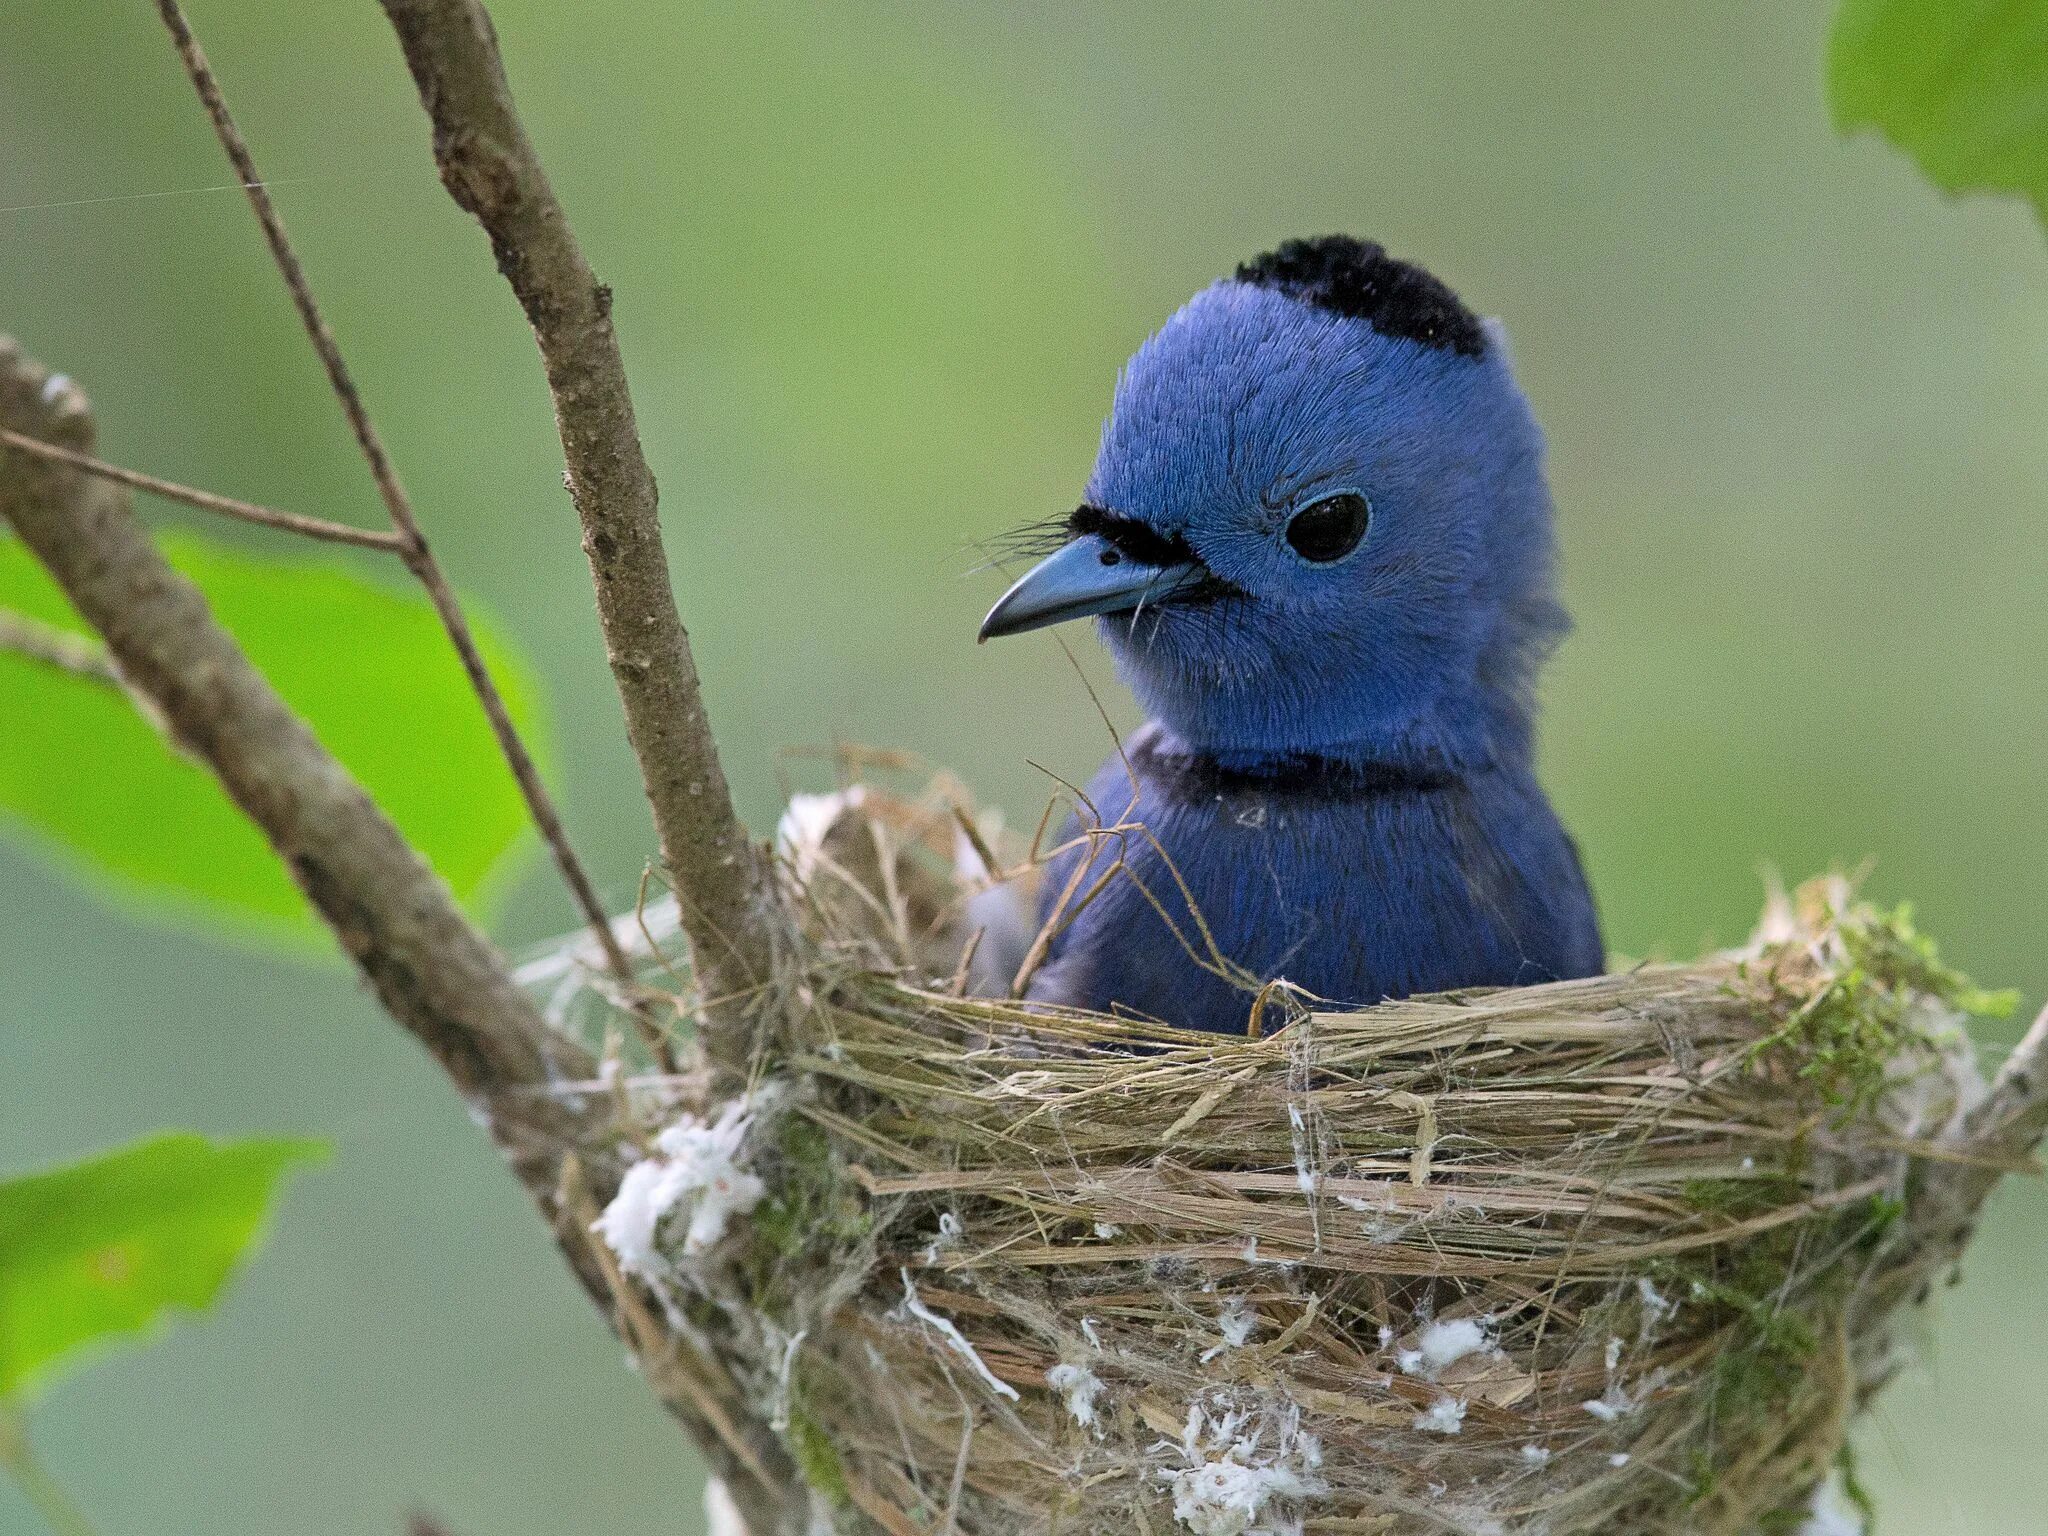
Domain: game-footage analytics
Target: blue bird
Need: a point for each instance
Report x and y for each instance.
(1318, 543)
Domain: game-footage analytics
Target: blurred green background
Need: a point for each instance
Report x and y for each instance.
(876, 268)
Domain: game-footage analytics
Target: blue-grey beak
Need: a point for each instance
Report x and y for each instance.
(1084, 576)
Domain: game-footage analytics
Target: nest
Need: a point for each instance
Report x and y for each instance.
(1619, 1255)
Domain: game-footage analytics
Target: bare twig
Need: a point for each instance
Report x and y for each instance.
(209, 501)
(58, 649)
(488, 165)
(434, 973)
(410, 542)
(431, 970)
(43, 1493)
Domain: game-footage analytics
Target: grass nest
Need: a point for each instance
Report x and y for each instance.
(1619, 1255)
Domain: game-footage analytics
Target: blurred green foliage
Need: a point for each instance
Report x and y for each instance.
(367, 665)
(1961, 85)
(876, 270)
(106, 1246)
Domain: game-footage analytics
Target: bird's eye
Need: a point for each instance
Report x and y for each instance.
(1329, 529)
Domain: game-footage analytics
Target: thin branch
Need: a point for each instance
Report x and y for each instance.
(410, 542)
(43, 1492)
(430, 969)
(57, 649)
(209, 501)
(730, 911)
(433, 972)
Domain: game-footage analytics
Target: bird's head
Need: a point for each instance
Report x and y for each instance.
(1318, 523)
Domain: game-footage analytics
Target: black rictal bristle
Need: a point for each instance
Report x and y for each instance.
(1029, 543)
(1137, 540)
(1359, 279)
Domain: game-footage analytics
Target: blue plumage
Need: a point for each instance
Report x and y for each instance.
(1318, 539)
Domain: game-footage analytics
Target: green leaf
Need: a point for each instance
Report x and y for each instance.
(88, 780)
(106, 1246)
(1960, 85)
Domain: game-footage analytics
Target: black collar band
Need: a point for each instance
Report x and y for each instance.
(1293, 773)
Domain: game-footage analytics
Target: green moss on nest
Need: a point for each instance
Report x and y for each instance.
(1762, 1305)
(1850, 1037)
(1740, 1198)
(1797, 1516)
(1763, 1367)
(810, 1214)
(1854, 1486)
(817, 1457)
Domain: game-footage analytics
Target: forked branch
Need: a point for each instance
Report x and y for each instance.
(432, 971)
(208, 501)
(406, 537)
(58, 649)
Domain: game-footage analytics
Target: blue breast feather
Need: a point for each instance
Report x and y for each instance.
(1353, 891)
